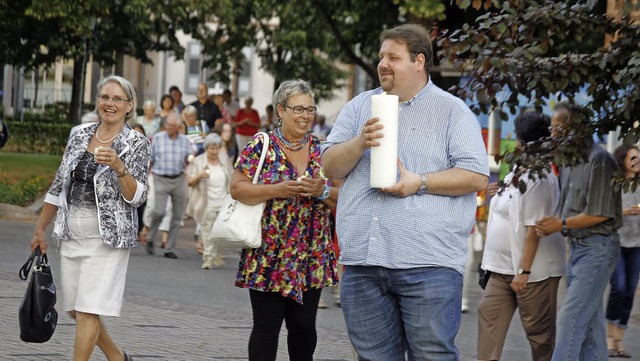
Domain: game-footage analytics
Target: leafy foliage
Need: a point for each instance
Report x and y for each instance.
(524, 47)
(304, 39)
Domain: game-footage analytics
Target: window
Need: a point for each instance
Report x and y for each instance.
(194, 61)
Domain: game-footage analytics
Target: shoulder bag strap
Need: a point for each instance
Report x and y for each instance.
(265, 149)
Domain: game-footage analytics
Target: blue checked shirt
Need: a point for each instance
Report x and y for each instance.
(436, 131)
(169, 156)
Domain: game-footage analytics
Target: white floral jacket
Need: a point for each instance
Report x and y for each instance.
(117, 217)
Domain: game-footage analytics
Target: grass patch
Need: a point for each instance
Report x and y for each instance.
(25, 177)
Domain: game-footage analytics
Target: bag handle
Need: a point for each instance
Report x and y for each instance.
(265, 149)
(24, 270)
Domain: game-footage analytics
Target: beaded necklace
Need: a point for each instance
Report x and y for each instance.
(292, 146)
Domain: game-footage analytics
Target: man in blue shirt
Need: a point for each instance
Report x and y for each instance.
(170, 151)
(404, 247)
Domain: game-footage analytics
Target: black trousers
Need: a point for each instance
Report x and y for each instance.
(269, 309)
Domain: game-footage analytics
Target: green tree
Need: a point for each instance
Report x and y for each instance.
(539, 48)
(305, 39)
(42, 31)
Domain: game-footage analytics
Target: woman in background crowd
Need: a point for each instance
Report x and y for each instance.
(149, 120)
(208, 178)
(624, 280)
(166, 108)
(229, 146)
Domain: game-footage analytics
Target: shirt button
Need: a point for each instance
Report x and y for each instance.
(375, 218)
(373, 238)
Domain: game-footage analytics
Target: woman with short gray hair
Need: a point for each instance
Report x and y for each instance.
(150, 121)
(296, 259)
(94, 197)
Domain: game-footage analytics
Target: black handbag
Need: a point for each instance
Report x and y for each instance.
(38, 318)
(483, 276)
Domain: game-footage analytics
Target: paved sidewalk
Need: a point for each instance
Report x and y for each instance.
(173, 310)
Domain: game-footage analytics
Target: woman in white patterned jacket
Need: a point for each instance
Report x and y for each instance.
(94, 198)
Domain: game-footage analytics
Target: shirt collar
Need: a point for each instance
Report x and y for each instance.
(419, 95)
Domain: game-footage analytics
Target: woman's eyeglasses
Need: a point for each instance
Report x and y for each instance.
(298, 109)
(104, 99)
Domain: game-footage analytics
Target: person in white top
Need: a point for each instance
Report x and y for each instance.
(208, 177)
(525, 268)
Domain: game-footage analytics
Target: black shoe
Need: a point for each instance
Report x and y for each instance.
(170, 255)
(149, 247)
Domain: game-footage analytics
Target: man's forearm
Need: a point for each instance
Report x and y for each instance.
(340, 159)
(455, 182)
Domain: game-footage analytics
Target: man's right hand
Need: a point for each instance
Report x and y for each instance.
(370, 133)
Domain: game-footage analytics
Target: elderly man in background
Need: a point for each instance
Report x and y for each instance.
(170, 151)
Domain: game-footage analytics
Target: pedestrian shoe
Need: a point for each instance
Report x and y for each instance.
(170, 255)
(127, 357)
(149, 247)
(207, 264)
(218, 262)
(322, 304)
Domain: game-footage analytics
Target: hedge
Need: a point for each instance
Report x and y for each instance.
(37, 137)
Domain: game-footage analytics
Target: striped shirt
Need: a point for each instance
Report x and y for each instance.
(169, 156)
(586, 188)
(436, 131)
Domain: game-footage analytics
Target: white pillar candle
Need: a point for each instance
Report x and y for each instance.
(384, 158)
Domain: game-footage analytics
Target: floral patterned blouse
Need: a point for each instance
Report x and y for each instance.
(296, 253)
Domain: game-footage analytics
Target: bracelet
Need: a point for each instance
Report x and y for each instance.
(124, 173)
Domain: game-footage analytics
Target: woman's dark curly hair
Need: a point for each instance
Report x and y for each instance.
(531, 125)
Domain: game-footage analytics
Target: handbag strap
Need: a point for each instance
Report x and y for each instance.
(265, 149)
(26, 267)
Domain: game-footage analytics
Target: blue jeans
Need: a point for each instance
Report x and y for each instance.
(390, 312)
(581, 334)
(623, 286)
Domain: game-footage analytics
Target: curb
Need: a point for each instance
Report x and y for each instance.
(10, 212)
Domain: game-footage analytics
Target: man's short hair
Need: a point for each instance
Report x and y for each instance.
(175, 88)
(417, 39)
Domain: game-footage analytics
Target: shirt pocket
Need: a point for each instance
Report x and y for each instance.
(578, 203)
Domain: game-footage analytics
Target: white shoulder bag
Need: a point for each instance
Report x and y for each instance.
(239, 225)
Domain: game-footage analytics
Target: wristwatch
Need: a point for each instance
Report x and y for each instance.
(325, 194)
(423, 184)
(565, 230)
(523, 272)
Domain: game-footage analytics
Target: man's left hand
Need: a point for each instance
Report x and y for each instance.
(407, 185)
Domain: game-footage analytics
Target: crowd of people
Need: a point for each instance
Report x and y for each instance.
(402, 249)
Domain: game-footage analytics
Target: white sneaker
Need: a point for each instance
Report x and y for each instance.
(465, 308)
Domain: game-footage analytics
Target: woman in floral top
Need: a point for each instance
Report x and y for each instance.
(296, 260)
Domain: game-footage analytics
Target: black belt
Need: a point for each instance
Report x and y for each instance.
(170, 176)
